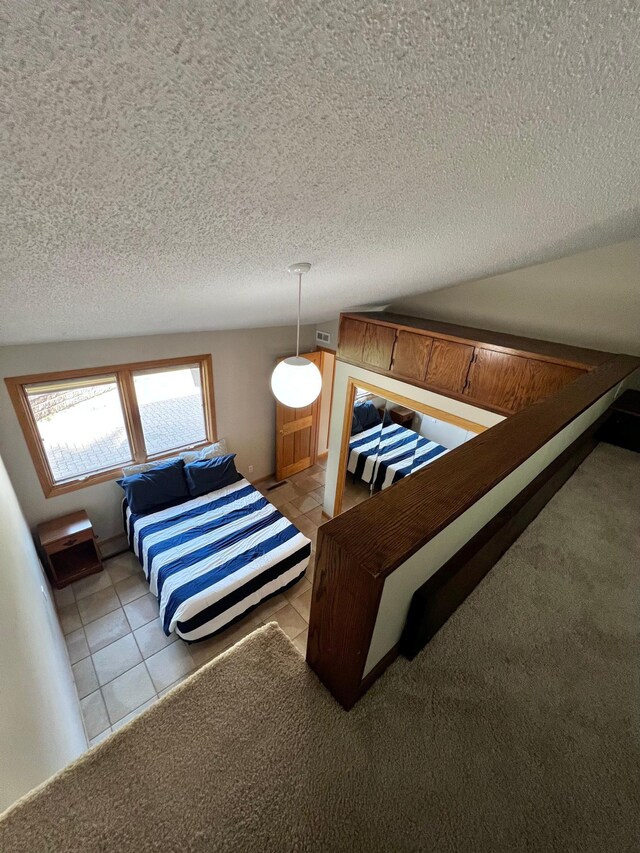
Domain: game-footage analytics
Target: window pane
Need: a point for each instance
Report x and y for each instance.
(81, 425)
(171, 408)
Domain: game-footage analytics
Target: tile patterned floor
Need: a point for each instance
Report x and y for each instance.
(354, 493)
(121, 659)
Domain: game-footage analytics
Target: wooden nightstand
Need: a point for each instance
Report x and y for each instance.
(69, 549)
(402, 416)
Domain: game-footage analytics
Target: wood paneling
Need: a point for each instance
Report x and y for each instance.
(448, 365)
(546, 378)
(498, 379)
(378, 346)
(361, 547)
(512, 382)
(411, 355)
(366, 343)
(352, 335)
(484, 371)
(338, 643)
(545, 350)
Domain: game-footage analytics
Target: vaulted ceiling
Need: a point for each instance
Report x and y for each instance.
(162, 162)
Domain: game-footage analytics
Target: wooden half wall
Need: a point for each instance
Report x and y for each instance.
(371, 559)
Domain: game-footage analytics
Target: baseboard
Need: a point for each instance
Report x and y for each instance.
(263, 479)
(437, 599)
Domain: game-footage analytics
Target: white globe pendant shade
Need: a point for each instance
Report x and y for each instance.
(296, 382)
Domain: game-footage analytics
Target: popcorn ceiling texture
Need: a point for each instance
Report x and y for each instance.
(164, 161)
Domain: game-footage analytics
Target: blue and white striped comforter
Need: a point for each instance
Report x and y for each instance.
(211, 559)
(402, 451)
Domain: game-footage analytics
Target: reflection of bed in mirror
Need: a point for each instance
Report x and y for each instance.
(380, 453)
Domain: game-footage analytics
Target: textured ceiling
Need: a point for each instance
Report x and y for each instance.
(162, 162)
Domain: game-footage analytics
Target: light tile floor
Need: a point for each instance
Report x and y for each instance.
(121, 659)
(354, 493)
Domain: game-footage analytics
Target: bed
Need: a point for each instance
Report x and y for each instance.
(385, 459)
(211, 559)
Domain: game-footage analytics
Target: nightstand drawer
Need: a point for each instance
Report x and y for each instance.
(68, 541)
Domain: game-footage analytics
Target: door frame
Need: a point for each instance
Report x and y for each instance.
(424, 409)
(322, 392)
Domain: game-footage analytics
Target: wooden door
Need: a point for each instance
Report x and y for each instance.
(411, 355)
(296, 433)
(448, 365)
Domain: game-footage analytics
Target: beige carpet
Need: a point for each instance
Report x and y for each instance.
(516, 729)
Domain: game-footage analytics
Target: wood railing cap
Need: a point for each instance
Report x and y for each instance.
(390, 527)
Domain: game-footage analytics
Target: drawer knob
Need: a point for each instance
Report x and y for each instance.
(69, 542)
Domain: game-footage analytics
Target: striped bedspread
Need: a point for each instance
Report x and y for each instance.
(211, 559)
(401, 452)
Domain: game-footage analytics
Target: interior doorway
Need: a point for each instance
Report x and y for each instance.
(302, 435)
(328, 369)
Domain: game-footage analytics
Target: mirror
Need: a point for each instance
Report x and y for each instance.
(390, 441)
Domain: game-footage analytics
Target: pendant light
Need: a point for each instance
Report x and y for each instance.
(296, 382)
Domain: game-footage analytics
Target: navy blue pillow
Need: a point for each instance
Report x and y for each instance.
(356, 426)
(207, 475)
(163, 484)
(367, 414)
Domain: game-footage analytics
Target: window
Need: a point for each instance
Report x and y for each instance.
(82, 426)
(362, 395)
(171, 410)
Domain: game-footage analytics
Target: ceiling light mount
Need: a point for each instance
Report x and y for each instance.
(299, 269)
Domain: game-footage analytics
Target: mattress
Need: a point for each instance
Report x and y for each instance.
(384, 455)
(209, 560)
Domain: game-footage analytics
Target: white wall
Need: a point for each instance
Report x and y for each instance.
(332, 328)
(591, 299)
(420, 395)
(448, 435)
(245, 407)
(400, 586)
(40, 720)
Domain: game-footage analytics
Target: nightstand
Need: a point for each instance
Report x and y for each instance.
(69, 549)
(402, 416)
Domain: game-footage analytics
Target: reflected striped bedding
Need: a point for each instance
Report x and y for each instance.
(402, 451)
(210, 560)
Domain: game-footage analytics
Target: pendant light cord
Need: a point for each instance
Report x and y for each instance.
(299, 299)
